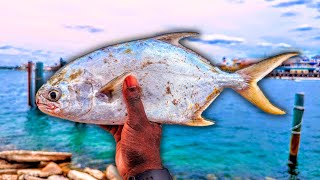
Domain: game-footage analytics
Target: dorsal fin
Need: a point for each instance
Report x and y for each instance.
(174, 38)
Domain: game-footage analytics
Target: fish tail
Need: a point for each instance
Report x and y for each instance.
(254, 73)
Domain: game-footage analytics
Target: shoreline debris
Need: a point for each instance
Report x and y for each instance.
(39, 165)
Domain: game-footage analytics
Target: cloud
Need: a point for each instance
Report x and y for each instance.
(304, 27)
(218, 39)
(316, 38)
(5, 47)
(9, 47)
(268, 44)
(14, 57)
(315, 5)
(236, 1)
(317, 17)
(41, 53)
(19, 51)
(289, 14)
(87, 28)
(292, 3)
(59, 31)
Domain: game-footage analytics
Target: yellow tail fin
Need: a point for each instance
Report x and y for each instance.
(256, 72)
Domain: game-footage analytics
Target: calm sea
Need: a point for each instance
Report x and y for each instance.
(245, 143)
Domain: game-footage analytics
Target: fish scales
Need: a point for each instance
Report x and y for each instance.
(157, 66)
(177, 84)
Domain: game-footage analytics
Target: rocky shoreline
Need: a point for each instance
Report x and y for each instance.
(40, 165)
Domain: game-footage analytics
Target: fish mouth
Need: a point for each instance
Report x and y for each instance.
(49, 108)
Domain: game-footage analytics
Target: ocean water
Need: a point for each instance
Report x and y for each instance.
(245, 143)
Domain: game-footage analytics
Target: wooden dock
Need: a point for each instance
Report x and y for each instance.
(36, 78)
(289, 75)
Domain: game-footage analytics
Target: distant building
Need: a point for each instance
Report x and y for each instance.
(62, 62)
(316, 59)
(300, 66)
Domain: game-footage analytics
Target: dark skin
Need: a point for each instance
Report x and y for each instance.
(138, 140)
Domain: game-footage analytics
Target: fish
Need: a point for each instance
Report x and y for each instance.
(177, 83)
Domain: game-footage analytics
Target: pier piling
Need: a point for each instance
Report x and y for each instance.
(39, 78)
(30, 89)
(296, 129)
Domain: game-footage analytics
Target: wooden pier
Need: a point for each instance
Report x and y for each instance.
(39, 78)
(295, 132)
(289, 75)
(30, 87)
(36, 79)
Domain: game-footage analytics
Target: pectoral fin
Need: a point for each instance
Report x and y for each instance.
(114, 85)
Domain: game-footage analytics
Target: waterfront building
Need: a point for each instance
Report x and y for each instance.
(299, 66)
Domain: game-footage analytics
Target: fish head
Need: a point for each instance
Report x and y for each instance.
(67, 94)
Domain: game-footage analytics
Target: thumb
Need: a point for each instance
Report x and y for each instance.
(114, 130)
(132, 97)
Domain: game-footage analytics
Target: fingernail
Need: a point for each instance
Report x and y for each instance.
(131, 82)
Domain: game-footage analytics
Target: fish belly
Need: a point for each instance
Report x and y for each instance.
(175, 84)
(168, 98)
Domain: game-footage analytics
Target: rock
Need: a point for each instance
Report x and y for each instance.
(65, 168)
(8, 177)
(51, 169)
(94, 172)
(31, 172)
(211, 177)
(34, 156)
(8, 171)
(28, 177)
(43, 164)
(6, 165)
(77, 175)
(112, 173)
(57, 177)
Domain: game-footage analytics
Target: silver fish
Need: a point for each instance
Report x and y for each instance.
(177, 83)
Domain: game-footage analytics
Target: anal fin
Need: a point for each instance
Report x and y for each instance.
(199, 122)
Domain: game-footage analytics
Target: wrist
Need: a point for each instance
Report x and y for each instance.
(142, 168)
(155, 174)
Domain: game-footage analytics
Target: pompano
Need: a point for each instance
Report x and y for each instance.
(177, 83)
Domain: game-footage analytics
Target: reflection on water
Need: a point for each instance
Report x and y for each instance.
(245, 142)
(37, 126)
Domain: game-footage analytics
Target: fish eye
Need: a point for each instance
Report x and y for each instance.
(54, 95)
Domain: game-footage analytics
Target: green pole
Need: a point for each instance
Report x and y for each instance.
(39, 76)
(296, 129)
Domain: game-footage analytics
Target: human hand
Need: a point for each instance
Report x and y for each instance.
(138, 140)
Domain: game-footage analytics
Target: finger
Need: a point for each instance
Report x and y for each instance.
(156, 126)
(132, 97)
(108, 128)
(114, 130)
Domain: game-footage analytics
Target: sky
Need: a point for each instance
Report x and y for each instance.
(40, 30)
